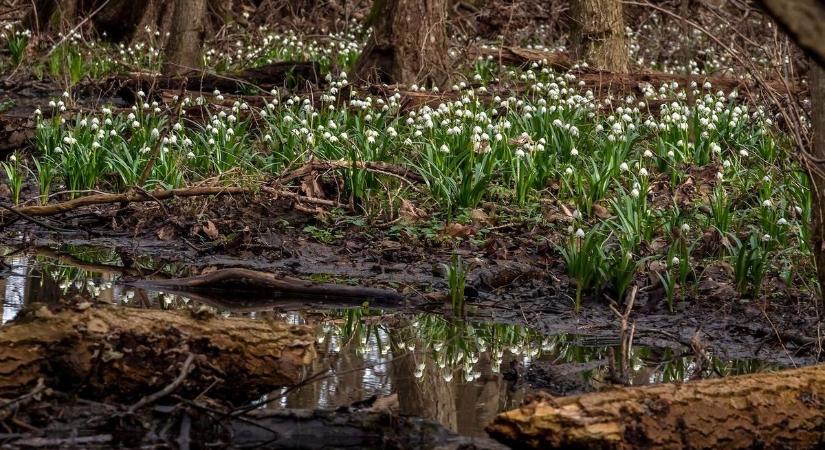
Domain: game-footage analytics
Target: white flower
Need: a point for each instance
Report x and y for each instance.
(766, 237)
(520, 153)
(580, 233)
(444, 148)
(568, 170)
(767, 203)
(781, 221)
(648, 154)
(634, 193)
(744, 153)
(623, 167)
(675, 261)
(574, 152)
(685, 228)
(643, 172)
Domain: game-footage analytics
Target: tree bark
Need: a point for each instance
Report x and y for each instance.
(597, 34)
(816, 171)
(183, 51)
(768, 410)
(124, 353)
(804, 21)
(408, 44)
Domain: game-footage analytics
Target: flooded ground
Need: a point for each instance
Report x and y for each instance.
(460, 373)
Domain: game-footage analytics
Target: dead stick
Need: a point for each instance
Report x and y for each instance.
(149, 399)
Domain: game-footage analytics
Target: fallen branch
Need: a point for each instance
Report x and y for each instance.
(246, 282)
(405, 174)
(767, 410)
(140, 195)
(149, 399)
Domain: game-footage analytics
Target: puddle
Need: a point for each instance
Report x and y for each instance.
(459, 373)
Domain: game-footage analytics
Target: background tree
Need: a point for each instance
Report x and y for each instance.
(183, 52)
(408, 43)
(597, 34)
(804, 21)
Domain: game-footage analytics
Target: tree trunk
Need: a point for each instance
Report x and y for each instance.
(408, 44)
(768, 410)
(183, 51)
(816, 83)
(804, 21)
(125, 353)
(597, 34)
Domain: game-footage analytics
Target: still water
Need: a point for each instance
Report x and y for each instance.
(460, 373)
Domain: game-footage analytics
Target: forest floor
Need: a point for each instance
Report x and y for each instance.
(334, 185)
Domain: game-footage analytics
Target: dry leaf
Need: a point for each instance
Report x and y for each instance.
(410, 212)
(167, 233)
(211, 231)
(311, 187)
(478, 215)
(600, 211)
(459, 230)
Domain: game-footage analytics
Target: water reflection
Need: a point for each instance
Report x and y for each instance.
(14, 286)
(462, 373)
(459, 373)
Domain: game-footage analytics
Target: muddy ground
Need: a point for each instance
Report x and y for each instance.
(514, 278)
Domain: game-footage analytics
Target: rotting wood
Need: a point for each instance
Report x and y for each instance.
(239, 281)
(125, 353)
(784, 409)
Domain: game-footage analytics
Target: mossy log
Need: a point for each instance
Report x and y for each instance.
(126, 353)
(768, 410)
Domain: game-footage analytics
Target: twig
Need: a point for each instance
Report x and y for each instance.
(184, 372)
(31, 219)
(82, 22)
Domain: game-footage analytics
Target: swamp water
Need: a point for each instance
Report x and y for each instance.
(460, 373)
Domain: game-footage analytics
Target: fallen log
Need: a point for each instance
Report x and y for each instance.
(524, 56)
(767, 410)
(266, 77)
(629, 82)
(239, 282)
(124, 353)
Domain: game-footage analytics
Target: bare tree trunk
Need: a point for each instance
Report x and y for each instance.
(804, 21)
(597, 34)
(768, 410)
(408, 43)
(816, 83)
(183, 51)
